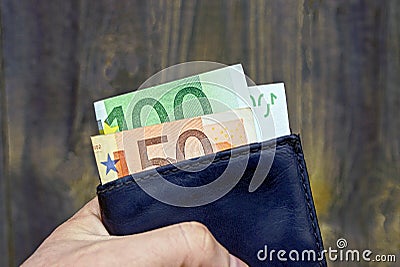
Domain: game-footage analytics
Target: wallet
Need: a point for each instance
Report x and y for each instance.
(271, 224)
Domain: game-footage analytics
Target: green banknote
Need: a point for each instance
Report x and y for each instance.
(206, 93)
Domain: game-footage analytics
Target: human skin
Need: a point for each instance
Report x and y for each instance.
(83, 241)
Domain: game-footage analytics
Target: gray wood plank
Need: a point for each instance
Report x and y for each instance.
(40, 71)
(4, 178)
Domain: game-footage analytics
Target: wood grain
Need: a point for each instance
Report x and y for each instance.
(338, 59)
(5, 230)
(40, 71)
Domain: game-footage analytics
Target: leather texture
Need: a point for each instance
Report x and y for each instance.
(278, 215)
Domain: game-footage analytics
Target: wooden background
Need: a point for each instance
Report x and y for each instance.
(340, 61)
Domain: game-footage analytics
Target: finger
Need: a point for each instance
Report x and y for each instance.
(185, 244)
(82, 230)
(90, 209)
(85, 224)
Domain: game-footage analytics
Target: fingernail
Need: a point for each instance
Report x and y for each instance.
(236, 262)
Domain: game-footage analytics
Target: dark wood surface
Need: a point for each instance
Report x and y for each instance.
(340, 61)
(4, 215)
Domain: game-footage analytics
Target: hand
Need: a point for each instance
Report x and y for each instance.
(84, 241)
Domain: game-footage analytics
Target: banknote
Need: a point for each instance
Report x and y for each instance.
(206, 93)
(131, 151)
(268, 102)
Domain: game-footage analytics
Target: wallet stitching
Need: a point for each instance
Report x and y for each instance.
(300, 169)
(221, 158)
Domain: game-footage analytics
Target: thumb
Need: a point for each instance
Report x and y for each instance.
(184, 244)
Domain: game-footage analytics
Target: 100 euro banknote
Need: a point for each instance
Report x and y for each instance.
(128, 152)
(206, 93)
(269, 106)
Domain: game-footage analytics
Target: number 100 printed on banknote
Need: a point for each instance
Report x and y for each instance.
(211, 92)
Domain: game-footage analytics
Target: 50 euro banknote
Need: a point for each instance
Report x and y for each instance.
(131, 151)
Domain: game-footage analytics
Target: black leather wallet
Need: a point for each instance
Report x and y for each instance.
(275, 225)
